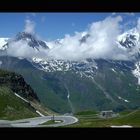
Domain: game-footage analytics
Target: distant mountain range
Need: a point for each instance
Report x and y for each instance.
(71, 86)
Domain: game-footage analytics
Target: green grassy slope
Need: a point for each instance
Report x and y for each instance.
(34, 78)
(131, 117)
(12, 108)
(52, 88)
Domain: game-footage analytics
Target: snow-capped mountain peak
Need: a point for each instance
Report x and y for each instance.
(136, 72)
(3, 41)
(28, 38)
(31, 40)
(129, 39)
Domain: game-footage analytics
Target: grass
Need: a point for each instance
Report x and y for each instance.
(4, 73)
(41, 108)
(13, 108)
(84, 94)
(125, 118)
(126, 112)
(87, 112)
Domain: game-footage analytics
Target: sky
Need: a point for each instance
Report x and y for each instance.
(102, 29)
(51, 26)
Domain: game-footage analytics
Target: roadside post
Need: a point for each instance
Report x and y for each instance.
(53, 117)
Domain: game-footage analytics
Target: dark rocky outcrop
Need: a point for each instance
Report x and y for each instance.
(17, 84)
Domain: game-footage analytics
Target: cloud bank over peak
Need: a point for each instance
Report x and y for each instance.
(29, 26)
(99, 40)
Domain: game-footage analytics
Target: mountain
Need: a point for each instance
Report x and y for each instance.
(86, 67)
(30, 39)
(13, 86)
(3, 41)
(17, 84)
(84, 38)
(112, 85)
(72, 86)
(129, 39)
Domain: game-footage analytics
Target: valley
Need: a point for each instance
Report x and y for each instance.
(124, 119)
(78, 78)
(24, 110)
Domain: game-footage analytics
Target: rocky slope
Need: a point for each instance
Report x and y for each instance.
(13, 86)
(17, 84)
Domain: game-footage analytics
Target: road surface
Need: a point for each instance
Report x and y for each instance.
(37, 121)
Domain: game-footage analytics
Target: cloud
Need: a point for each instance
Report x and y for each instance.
(101, 42)
(97, 41)
(20, 49)
(29, 26)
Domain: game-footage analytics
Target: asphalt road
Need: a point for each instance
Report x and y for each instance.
(35, 122)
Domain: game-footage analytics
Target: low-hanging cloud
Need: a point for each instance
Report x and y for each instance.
(99, 42)
(21, 49)
(29, 26)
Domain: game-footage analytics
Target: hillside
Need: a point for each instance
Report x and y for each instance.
(17, 84)
(34, 77)
(11, 106)
(113, 86)
(128, 117)
(71, 84)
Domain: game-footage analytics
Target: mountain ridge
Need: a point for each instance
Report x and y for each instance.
(11, 106)
(64, 85)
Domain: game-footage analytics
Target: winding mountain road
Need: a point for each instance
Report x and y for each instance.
(37, 121)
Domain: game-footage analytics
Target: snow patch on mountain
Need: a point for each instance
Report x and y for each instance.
(51, 65)
(3, 41)
(83, 68)
(129, 39)
(126, 101)
(123, 99)
(113, 70)
(136, 72)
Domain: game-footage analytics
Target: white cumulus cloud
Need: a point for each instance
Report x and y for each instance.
(29, 26)
(100, 43)
(20, 49)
